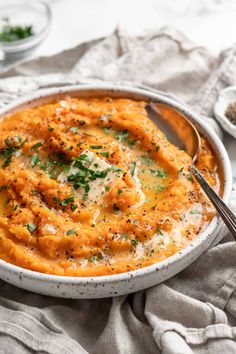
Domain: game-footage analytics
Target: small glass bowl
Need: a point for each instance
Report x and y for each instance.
(34, 13)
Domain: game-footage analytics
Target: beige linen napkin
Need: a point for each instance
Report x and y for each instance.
(195, 311)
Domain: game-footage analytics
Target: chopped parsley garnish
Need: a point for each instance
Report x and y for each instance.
(10, 150)
(50, 129)
(125, 236)
(189, 177)
(134, 242)
(35, 192)
(66, 201)
(70, 232)
(133, 167)
(15, 207)
(158, 173)
(36, 146)
(8, 141)
(135, 222)
(119, 191)
(35, 160)
(121, 135)
(85, 175)
(159, 188)
(31, 227)
(116, 208)
(107, 188)
(54, 167)
(93, 259)
(147, 160)
(132, 142)
(3, 188)
(180, 172)
(105, 154)
(17, 139)
(96, 147)
(150, 253)
(160, 232)
(157, 148)
(107, 130)
(116, 168)
(70, 148)
(73, 207)
(195, 212)
(74, 130)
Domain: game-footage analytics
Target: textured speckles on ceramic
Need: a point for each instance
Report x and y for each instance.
(124, 283)
(226, 97)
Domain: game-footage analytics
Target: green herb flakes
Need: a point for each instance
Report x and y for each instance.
(36, 146)
(119, 191)
(116, 209)
(189, 177)
(93, 259)
(195, 212)
(121, 135)
(70, 232)
(134, 242)
(180, 172)
(105, 154)
(133, 167)
(34, 160)
(74, 130)
(95, 147)
(31, 227)
(158, 173)
(15, 206)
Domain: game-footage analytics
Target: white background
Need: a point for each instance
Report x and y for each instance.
(211, 23)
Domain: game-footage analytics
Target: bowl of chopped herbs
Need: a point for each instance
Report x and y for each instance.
(23, 26)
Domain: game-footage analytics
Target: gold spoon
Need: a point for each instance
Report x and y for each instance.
(184, 134)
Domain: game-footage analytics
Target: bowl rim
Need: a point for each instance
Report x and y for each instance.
(21, 42)
(123, 90)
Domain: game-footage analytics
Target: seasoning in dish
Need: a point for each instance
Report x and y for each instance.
(230, 112)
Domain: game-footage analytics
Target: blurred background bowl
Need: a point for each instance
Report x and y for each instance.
(35, 13)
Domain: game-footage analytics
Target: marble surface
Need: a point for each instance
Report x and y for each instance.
(210, 23)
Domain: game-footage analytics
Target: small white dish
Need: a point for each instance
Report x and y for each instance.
(24, 13)
(226, 97)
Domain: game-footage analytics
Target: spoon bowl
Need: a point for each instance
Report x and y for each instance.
(178, 128)
(182, 133)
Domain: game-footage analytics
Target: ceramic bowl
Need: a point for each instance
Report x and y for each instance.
(124, 283)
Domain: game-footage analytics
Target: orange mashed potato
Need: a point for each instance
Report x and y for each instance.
(92, 187)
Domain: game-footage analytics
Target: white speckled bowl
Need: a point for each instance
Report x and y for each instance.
(124, 283)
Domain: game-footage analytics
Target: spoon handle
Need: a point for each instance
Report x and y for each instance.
(226, 214)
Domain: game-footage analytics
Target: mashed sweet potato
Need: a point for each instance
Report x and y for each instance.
(92, 187)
